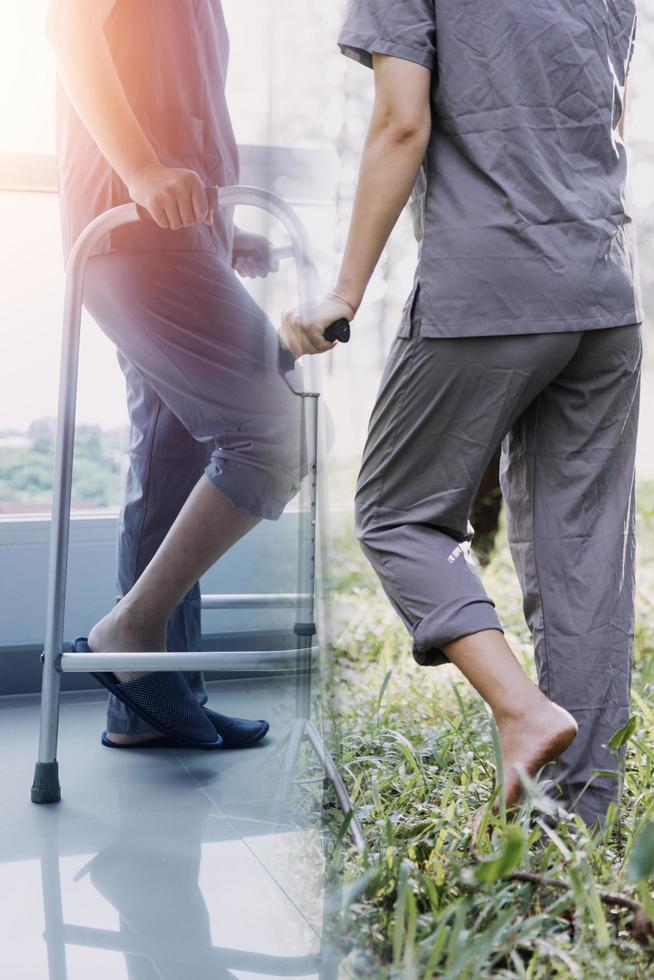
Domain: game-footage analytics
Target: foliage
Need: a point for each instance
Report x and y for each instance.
(26, 471)
(416, 747)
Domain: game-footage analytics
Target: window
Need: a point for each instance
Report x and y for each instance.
(31, 278)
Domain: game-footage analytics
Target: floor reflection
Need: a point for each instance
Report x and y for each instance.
(167, 927)
(145, 875)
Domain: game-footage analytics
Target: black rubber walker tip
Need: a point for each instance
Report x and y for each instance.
(46, 788)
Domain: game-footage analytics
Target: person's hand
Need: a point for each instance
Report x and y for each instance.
(305, 335)
(173, 197)
(252, 255)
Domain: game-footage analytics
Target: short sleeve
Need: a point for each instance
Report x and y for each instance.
(401, 28)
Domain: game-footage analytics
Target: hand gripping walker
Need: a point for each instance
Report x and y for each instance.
(46, 788)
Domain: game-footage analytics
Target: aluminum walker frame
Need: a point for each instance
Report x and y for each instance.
(46, 787)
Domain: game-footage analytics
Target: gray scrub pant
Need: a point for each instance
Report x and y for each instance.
(204, 395)
(564, 407)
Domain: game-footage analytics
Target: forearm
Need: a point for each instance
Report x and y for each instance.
(89, 75)
(395, 147)
(389, 167)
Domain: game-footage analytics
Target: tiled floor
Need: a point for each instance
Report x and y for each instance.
(160, 864)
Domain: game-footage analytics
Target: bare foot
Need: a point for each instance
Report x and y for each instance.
(530, 738)
(121, 631)
(118, 631)
(533, 737)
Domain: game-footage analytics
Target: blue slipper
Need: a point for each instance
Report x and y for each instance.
(163, 700)
(237, 733)
(151, 743)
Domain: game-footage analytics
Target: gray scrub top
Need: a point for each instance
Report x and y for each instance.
(525, 222)
(171, 57)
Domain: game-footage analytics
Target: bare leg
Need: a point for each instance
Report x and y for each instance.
(205, 528)
(533, 730)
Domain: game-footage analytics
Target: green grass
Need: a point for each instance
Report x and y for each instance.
(417, 750)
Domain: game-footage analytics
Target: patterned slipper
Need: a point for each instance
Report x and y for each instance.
(164, 700)
(237, 733)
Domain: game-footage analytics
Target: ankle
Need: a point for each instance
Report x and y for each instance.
(520, 711)
(130, 617)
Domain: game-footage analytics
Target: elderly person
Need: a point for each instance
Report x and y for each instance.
(215, 429)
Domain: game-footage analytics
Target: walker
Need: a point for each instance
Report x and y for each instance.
(300, 659)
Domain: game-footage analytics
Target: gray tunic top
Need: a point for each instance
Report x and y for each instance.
(172, 61)
(525, 223)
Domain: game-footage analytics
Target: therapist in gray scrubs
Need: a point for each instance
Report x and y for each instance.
(522, 328)
(214, 445)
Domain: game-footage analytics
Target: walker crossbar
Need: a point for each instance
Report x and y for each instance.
(233, 660)
(46, 788)
(265, 600)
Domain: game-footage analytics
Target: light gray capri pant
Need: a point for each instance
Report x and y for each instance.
(204, 395)
(565, 408)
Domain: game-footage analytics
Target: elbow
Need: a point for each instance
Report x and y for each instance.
(407, 130)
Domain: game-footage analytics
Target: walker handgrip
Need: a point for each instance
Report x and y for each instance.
(212, 199)
(340, 330)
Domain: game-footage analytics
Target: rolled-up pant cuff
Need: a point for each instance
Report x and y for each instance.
(450, 622)
(250, 488)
